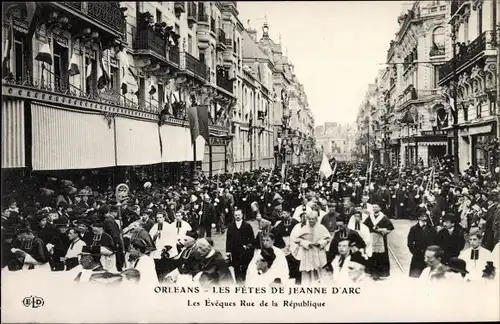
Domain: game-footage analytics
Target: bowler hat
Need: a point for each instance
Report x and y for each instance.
(457, 265)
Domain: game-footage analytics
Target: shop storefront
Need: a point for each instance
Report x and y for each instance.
(478, 145)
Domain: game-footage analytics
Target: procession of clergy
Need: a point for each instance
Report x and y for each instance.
(282, 228)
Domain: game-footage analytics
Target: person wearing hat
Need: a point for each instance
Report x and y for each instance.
(9, 259)
(59, 244)
(492, 221)
(476, 256)
(329, 220)
(357, 268)
(143, 262)
(420, 236)
(456, 270)
(450, 238)
(107, 217)
(259, 272)
(356, 224)
(90, 261)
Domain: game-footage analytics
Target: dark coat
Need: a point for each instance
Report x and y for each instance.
(239, 242)
(208, 216)
(451, 244)
(418, 240)
(215, 271)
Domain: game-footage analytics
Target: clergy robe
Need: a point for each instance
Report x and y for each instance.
(475, 260)
(146, 267)
(239, 242)
(72, 254)
(340, 271)
(215, 270)
(105, 240)
(37, 249)
(364, 233)
(380, 264)
(311, 251)
(279, 269)
(419, 238)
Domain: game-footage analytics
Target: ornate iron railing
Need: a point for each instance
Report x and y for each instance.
(466, 54)
(148, 39)
(106, 13)
(174, 55)
(198, 68)
(224, 83)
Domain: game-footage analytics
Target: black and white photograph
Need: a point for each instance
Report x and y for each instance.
(250, 161)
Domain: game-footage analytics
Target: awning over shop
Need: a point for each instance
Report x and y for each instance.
(13, 146)
(432, 143)
(177, 147)
(137, 142)
(70, 139)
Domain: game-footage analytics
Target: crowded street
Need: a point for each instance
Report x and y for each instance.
(193, 150)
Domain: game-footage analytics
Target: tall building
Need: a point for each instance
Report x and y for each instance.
(254, 129)
(471, 113)
(406, 117)
(91, 85)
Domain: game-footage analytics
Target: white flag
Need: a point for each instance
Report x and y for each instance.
(325, 169)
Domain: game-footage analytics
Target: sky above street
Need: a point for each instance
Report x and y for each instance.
(335, 46)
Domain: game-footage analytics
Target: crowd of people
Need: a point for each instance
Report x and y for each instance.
(280, 229)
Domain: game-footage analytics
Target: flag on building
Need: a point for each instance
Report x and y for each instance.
(198, 122)
(103, 78)
(325, 169)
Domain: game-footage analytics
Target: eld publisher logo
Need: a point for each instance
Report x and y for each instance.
(33, 302)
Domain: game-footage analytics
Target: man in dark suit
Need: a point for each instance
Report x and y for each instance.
(492, 218)
(342, 232)
(239, 248)
(207, 217)
(421, 236)
(450, 238)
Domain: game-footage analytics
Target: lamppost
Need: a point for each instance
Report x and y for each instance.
(454, 110)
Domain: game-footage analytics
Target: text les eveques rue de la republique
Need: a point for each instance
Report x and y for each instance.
(290, 291)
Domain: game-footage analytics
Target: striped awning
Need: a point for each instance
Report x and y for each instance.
(13, 145)
(69, 139)
(177, 147)
(137, 142)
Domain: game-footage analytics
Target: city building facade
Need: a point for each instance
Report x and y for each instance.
(407, 120)
(470, 81)
(336, 140)
(93, 85)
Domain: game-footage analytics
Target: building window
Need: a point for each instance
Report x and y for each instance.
(19, 65)
(60, 66)
(115, 76)
(436, 76)
(190, 44)
(161, 96)
(438, 42)
(158, 16)
(177, 29)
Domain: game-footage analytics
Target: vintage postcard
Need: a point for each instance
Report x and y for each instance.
(277, 161)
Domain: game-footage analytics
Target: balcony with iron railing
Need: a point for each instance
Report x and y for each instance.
(198, 68)
(466, 55)
(223, 80)
(108, 14)
(148, 39)
(456, 5)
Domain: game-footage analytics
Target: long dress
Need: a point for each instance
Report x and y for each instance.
(379, 261)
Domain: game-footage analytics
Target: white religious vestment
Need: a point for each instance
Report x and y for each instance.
(340, 275)
(180, 234)
(166, 236)
(364, 232)
(476, 266)
(146, 267)
(279, 269)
